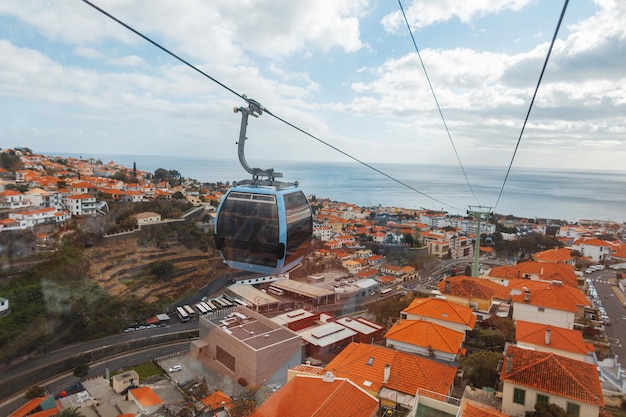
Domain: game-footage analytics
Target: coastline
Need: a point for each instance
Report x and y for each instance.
(531, 193)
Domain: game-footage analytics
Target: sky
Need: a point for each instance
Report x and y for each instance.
(72, 80)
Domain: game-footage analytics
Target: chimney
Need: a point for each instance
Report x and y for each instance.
(328, 377)
(547, 338)
(447, 287)
(387, 374)
(541, 272)
(526, 294)
(509, 362)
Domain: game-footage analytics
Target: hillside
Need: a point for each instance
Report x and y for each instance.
(122, 267)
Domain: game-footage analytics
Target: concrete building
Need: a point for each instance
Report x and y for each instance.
(325, 341)
(247, 346)
(124, 380)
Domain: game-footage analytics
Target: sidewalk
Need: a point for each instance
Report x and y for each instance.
(620, 294)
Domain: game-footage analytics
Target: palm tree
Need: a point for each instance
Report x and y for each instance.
(71, 412)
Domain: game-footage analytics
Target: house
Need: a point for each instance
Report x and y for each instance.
(441, 311)
(535, 270)
(319, 396)
(488, 298)
(147, 217)
(11, 199)
(390, 375)
(595, 249)
(427, 339)
(529, 377)
(146, 399)
(552, 339)
(547, 302)
(85, 205)
(83, 187)
(556, 255)
(217, 402)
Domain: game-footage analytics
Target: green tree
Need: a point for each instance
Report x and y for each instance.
(81, 370)
(71, 412)
(408, 239)
(35, 392)
(162, 269)
(480, 368)
(547, 410)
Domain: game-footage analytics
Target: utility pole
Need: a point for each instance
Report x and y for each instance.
(478, 213)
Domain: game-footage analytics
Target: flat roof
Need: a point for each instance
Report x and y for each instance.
(327, 334)
(308, 290)
(253, 295)
(252, 329)
(292, 316)
(366, 283)
(363, 327)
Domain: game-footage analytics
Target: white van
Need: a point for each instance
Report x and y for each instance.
(175, 368)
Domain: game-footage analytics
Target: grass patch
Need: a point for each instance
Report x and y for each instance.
(146, 370)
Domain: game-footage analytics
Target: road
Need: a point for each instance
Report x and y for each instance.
(616, 331)
(62, 382)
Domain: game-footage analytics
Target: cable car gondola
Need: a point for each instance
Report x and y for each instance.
(262, 225)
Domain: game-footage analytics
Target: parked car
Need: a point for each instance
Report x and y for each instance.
(175, 368)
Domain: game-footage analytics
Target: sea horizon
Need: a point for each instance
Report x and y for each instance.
(551, 193)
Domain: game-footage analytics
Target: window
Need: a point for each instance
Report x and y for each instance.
(573, 409)
(542, 398)
(541, 309)
(519, 396)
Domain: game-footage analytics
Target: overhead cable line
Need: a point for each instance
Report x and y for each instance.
(243, 97)
(432, 90)
(545, 64)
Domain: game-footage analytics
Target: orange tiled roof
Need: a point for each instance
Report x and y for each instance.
(544, 270)
(592, 242)
(554, 255)
(426, 334)
(560, 338)
(146, 396)
(215, 400)
(313, 396)
(442, 309)
(553, 374)
(27, 409)
(474, 409)
(550, 295)
(470, 287)
(364, 364)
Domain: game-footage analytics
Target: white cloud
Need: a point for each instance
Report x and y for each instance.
(421, 14)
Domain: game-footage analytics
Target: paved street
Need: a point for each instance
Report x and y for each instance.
(616, 331)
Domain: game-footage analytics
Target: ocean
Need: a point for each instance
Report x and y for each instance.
(532, 193)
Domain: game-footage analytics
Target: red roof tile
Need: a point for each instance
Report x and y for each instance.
(365, 366)
(314, 396)
(426, 334)
(549, 295)
(470, 287)
(553, 374)
(442, 309)
(542, 270)
(560, 338)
